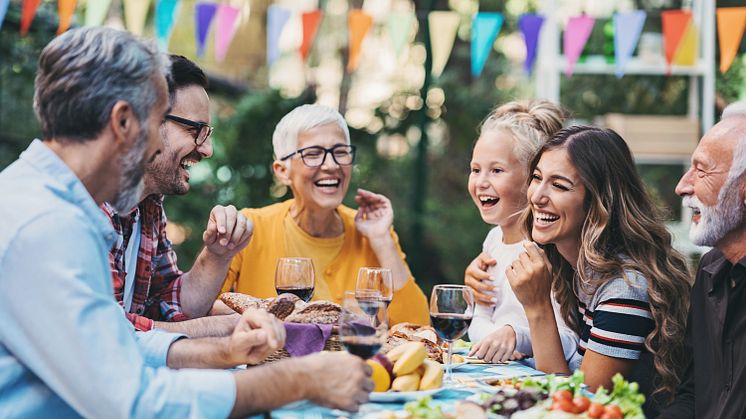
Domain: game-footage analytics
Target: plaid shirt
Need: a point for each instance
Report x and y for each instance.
(157, 290)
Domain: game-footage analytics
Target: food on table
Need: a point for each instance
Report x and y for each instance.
(286, 307)
(409, 332)
(457, 359)
(407, 357)
(381, 377)
(319, 312)
(283, 305)
(460, 344)
(424, 409)
(241, 302)
(411, 370)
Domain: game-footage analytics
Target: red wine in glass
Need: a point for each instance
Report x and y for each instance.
(450, 326)
(304, 293)
(363, 348)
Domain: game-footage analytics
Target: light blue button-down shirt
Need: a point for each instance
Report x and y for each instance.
(66, 348)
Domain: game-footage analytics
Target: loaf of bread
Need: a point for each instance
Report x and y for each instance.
(409, 332)
(240, 302)
(319, 312)
(283, 305)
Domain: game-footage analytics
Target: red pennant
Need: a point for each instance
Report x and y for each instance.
(675, 23)
(311, 21)
(28, 11)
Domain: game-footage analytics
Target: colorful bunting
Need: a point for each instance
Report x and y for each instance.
(359, 23)
(627, 30)
(311, 21)
(203, 15)
(399, 27)
(578, 30)
(3, 9)
(731, 24)
(530, 25)
(277, 17)
(674, 23)
(135, 12)
(28, 11)
(65, 8)
(686, 53)
(165, 17)
(226, 27)
(96, 11)
(443, 28)
(484, 29)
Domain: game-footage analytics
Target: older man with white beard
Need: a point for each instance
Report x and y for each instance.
(714, 188)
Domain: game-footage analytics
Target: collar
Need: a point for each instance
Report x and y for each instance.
(720, 269)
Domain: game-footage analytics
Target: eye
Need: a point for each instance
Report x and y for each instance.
(535, 178)
(475, 170)
(560, 186)
(700, 173)
(313, 153)
(497, 170)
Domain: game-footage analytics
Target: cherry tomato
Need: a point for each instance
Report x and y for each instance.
(566, 406)
(596, 410)
(613, 411)
(581, 403)
(555, 406)
(562, 395)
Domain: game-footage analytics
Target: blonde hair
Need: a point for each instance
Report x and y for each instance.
(530, 122)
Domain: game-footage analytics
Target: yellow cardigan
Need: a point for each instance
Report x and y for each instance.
(252, 270)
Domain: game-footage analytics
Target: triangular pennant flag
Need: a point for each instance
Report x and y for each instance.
(165, 17)
(359, 23)
(484, 29)
(135, 13)
(28, 11)
(578, 30)
(311, 21)
(530, 25)
(3, 10)
(399, 27)
(65, 8)
(226, 27)
(731, 24)
(96, 11)
(203, 14)
(627, 30)
(443, 28)
(277, 17)
(686, 53)
(675, 23)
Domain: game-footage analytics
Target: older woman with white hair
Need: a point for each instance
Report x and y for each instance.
(314, 157)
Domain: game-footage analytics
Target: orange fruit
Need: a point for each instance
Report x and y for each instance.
(381, 378)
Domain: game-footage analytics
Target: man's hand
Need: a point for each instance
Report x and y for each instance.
(479, 280)
(498, 346)
(337, 380)
(375, 215)
(257, 335)
(228, 231)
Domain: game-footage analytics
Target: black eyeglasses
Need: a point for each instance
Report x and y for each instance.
(314, 156)
(201, 132)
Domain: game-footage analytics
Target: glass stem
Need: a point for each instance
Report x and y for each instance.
(449, 379)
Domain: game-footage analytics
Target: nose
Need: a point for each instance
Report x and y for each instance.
(205, 149)
(685, 186)
(328, 161)
(536, 194)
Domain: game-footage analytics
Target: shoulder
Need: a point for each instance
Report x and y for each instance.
(493, 240)
(346, 212)
(268, 212)
(631, 286)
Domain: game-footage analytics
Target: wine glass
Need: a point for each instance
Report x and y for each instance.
(451, 311)
(375, 280)
(296, 276)
(363, 327)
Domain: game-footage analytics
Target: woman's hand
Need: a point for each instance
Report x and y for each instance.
(375, 215)
(531, 278)
(479, 280)
(498, 346)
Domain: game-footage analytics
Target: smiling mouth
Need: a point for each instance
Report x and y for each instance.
(488, 201)
(696, 214)
(545, 219)
(187, 163)
(328, 183)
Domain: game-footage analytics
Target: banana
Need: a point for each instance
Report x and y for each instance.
(394, 354)
(411, 359)
(408, 382)
(432, 378)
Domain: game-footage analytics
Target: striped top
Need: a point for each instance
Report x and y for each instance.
(616, 319)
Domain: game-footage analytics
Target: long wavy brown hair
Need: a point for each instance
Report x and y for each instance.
(623, 231)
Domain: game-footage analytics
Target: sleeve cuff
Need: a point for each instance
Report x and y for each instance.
(154, 345)
(216, 392)
(522, 339)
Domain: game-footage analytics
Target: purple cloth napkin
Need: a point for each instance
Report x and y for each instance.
(305, 338)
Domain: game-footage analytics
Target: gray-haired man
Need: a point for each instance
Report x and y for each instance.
(66, 350)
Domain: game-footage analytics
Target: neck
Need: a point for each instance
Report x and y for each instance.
(512, 232)
(571, 253)
(91, 163)
(733, 245)
(317, 222)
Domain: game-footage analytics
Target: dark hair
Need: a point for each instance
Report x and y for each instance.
(623, 231)
(184, 73)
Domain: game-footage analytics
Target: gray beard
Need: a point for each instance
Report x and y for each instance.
(716, 222)
(131, 182)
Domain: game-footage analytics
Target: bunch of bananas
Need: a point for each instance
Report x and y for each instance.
(410, 371)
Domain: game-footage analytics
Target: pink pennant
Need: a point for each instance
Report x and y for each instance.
(226, 28)
(578, 30)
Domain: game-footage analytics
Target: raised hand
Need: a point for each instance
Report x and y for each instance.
(479, 280)
(228, 231)
(375, 215)
(257, 335)
(531, 278)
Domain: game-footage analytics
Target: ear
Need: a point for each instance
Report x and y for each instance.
(123, 123)
(281, 172)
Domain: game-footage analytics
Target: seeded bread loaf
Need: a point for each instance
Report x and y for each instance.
(240, 302)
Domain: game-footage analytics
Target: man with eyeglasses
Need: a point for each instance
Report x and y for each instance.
(314, 160)
(152, 290)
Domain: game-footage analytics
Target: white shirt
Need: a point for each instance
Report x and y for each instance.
(130, 262)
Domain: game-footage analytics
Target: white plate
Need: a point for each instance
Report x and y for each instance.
(401, 396)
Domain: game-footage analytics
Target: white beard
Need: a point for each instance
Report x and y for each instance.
(131, 183)
(717, 221)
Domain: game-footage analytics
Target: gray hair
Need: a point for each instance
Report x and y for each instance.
(738, 166)
(84, 72)
(302, 118)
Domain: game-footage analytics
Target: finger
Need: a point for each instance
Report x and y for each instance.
(525, 259)
(210, 234)
(533, 251)
(486, 259)
(491, 354)
(480, 284)
(253, 338)
(239, 228)
(218, 214)
(475, 348)
(485, 299)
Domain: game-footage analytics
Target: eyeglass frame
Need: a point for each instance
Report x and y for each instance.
(329, 150)
(194, 124)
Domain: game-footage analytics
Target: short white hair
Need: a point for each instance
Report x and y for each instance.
(734, 109)
(738, 166)
(303, 118)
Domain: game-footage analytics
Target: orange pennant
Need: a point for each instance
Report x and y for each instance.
(731, 24)
(28, 11)
(311, 21)
(65, 8)
(675, 23)
(359, 24)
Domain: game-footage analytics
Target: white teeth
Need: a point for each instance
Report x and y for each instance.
(328, 182)
(695, 210)
(542, 216)
(188, 163)
(487, 198)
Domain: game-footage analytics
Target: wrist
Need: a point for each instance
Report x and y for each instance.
(304, 367)
(539, 313)
(381, 241)
(216, 258)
